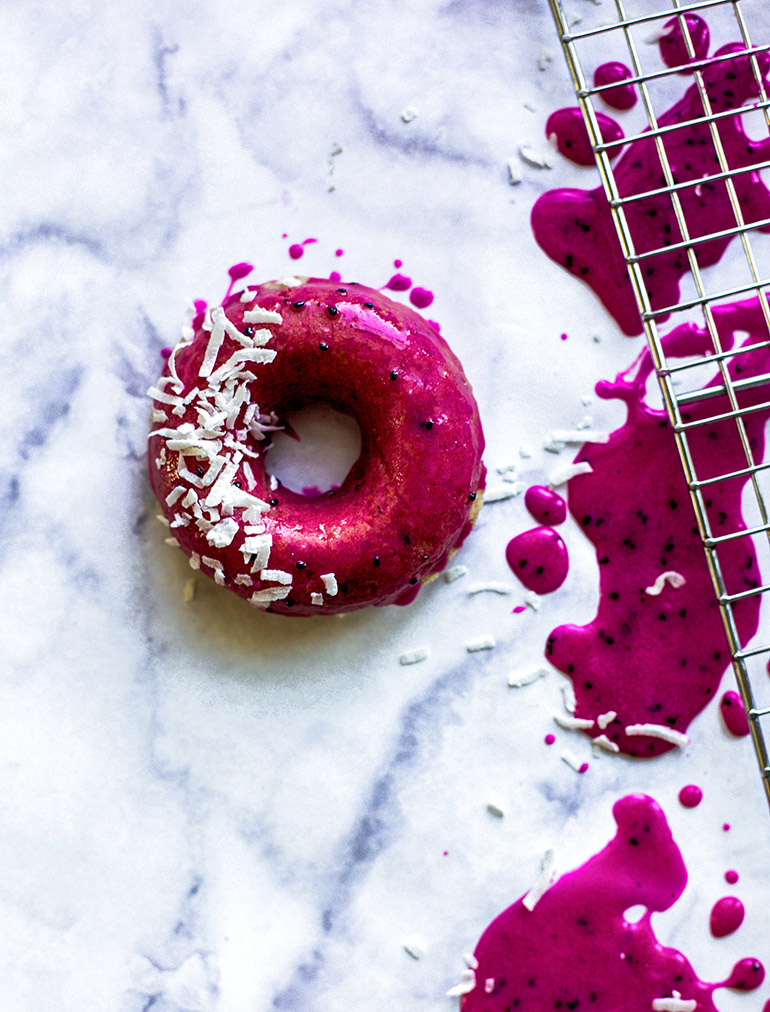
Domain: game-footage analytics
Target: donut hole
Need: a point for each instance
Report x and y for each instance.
(316, 451)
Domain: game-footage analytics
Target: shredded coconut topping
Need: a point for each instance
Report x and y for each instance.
(674, 1004)
(658, 731)
(671, 577)
(573, 723)
(414, 656)
(208, 456)
(548, 875)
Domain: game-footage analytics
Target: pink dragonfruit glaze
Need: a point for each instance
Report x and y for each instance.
(568, 131)
(545, 505)
(726, 916)
(623, 96)
(734, 714)
(690, 796)
(574, 227)
(576, 950)
(659, 659)
(673, 47)
(539, 559)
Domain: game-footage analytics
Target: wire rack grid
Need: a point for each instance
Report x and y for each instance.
(625, 25)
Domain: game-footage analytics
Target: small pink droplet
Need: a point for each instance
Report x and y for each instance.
(398, 263)
(734, 714)
(435, 324)
(731, 877)
(307, 242)
(564, 337)
(690, 796)
(242, 270)
(726, 827)
(583, 767)
(200, 305)
(296, 251)
(165, 352)
(335, 276)
(421, 297)
(550, 739)
(339, 252)
(519, 609)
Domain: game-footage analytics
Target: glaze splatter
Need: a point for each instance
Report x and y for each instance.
(539, 559)
(621, 97)
(658, 659)
(734, 714)
(726, 916)
(576, 950)
(574, 227)
(690, 796)
(545, 505)
(565, 128)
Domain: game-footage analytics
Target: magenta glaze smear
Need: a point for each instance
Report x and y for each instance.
(726, 916)
(734, 715)
(624, 95)
(574, 227)
(545, 505)
(659, 659)
(673, 48)
(567, 129)
(576, 950)
(690, 796)
(539, 558)
(731, 877)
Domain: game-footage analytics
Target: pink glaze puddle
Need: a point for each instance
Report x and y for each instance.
(658, 659)
(731, 877)
(574, 227)
(545, 505)
(726, 916)
(568, 131)
(539, 559)
(673, 47)
(624, 95)
(690, 796)
(575, 950)
(733, 714)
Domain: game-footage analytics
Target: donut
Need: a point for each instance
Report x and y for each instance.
(409, 500)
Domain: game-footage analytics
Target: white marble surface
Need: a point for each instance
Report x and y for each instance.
(206, 809)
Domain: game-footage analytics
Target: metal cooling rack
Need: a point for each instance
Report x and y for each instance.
(621, 28)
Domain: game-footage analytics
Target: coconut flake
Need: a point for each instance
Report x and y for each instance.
(222, 534)
(466, 985)
(674, 1004)
(408, 114)
(571, 760)
(265, 597)
(195, 561)
(415, 947)
(603, 742)
(573, 723)
(547, 877)
(490, 588)
(671, 577)
(495, 806)
(668, 734)
(276, 576)
(561, 475)
(414, 656)
(259, 546)
(536, 159)
(500, 493)
(216, 339)
(244, 580)
(518, 681)
(316, 599)
(606, 718)
(454, 573)
(514, 171)
(172, 542)
(568, 695)
(581, 436)
(480, 643)
(260, 315)
(330, 583)
(489, 985)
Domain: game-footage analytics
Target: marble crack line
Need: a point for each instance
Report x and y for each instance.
(375, 827)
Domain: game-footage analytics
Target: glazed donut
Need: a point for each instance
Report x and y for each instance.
(408, 502)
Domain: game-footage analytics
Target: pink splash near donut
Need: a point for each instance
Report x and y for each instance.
(408, 502)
